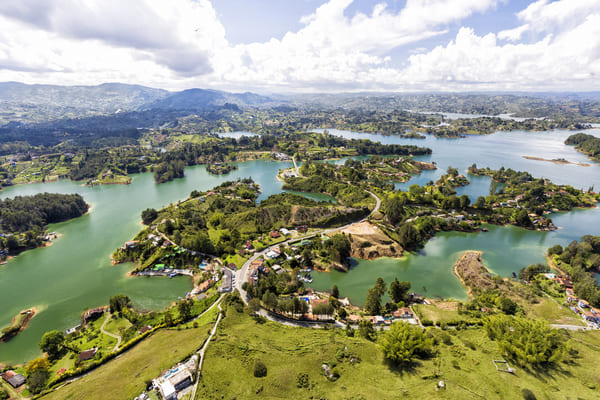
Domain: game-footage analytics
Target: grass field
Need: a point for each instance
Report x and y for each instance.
(439, 315)
(465, 364)
(125, 377)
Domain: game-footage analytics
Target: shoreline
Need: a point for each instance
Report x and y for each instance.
(557, 162)
(31, 313)
(460, 278)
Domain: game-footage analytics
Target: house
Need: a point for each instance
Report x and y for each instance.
(583, 304)
(227, 284)
(173, 381)
(232, 266)
(273, 253)
(144, 329)
(570, 295)
(285, 232)
(132, 244)
(249, 246)
(354, 319)
(94, 313)
(590, 316)
(15, 380)
(275, 234)
(87, 354)
(403, 312)
(302, 228)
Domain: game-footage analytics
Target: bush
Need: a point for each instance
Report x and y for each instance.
(528, 394)
(403, 342)
(260, 369)
(302, 380)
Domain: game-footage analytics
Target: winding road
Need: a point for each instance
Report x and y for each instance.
(242, 274)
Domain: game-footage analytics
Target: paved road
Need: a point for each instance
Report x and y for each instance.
(572, 327)
(242, 273)
(108, 315)
(203, 349)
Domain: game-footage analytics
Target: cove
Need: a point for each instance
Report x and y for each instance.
(75, 272)
(505, 249)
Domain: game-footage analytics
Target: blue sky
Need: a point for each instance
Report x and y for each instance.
(305, 45)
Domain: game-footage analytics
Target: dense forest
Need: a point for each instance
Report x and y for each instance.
(24, 218)
(585, 143)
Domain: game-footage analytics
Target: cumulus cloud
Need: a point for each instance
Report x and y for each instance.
(565, 59)
(181, 43)
(180, 35)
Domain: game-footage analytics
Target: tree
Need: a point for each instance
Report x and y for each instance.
(380, 286)
(527, 273)
(366, 330)
(118, 303)
(409, 236)
(323, 309)
(522, 218)
(53, 343)
(526, 341)
(335, 292)
(254, 305)
(341, 248)
(37, 374)
(399, 290)
(373, 303)
(403, 342)
(149, 215)
(185, 309)
(270, 300)
(260, 369)
(394, 207)
(480, 203)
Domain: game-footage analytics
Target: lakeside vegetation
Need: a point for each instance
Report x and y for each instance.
(23, 219)
(585, 143)
(579, 260)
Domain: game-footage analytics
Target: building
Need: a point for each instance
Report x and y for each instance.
(227, 284)
(87, 354)
(174, 381)
(94, 313)
(275, 234)
(15, 380)
(285, 232)
(403, 312)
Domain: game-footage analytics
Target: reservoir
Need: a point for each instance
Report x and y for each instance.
(75, 273)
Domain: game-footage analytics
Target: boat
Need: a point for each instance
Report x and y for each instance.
(172, 274)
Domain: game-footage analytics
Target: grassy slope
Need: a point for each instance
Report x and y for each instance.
(124, 377)
(289, 351)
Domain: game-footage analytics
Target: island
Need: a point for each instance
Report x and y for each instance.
(25, 218)
(19, 323)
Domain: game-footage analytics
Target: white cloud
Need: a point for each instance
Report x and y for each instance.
(181, 43)
(513, 34)
(563, 59)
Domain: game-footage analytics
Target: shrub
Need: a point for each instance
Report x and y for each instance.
(260, 369)
(528, 394)
(302, 380)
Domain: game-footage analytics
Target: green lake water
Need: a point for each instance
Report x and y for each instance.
(75, 272)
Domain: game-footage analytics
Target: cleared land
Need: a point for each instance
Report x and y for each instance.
(465, 365)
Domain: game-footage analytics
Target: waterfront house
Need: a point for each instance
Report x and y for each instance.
(93, 313)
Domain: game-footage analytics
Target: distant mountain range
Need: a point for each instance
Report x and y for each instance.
(22, 103)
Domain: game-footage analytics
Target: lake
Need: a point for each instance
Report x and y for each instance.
(75, 272)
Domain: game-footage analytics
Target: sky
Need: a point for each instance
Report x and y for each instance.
(312, 46)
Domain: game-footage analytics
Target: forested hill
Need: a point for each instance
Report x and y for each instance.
(33, 213)
(585, 143)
